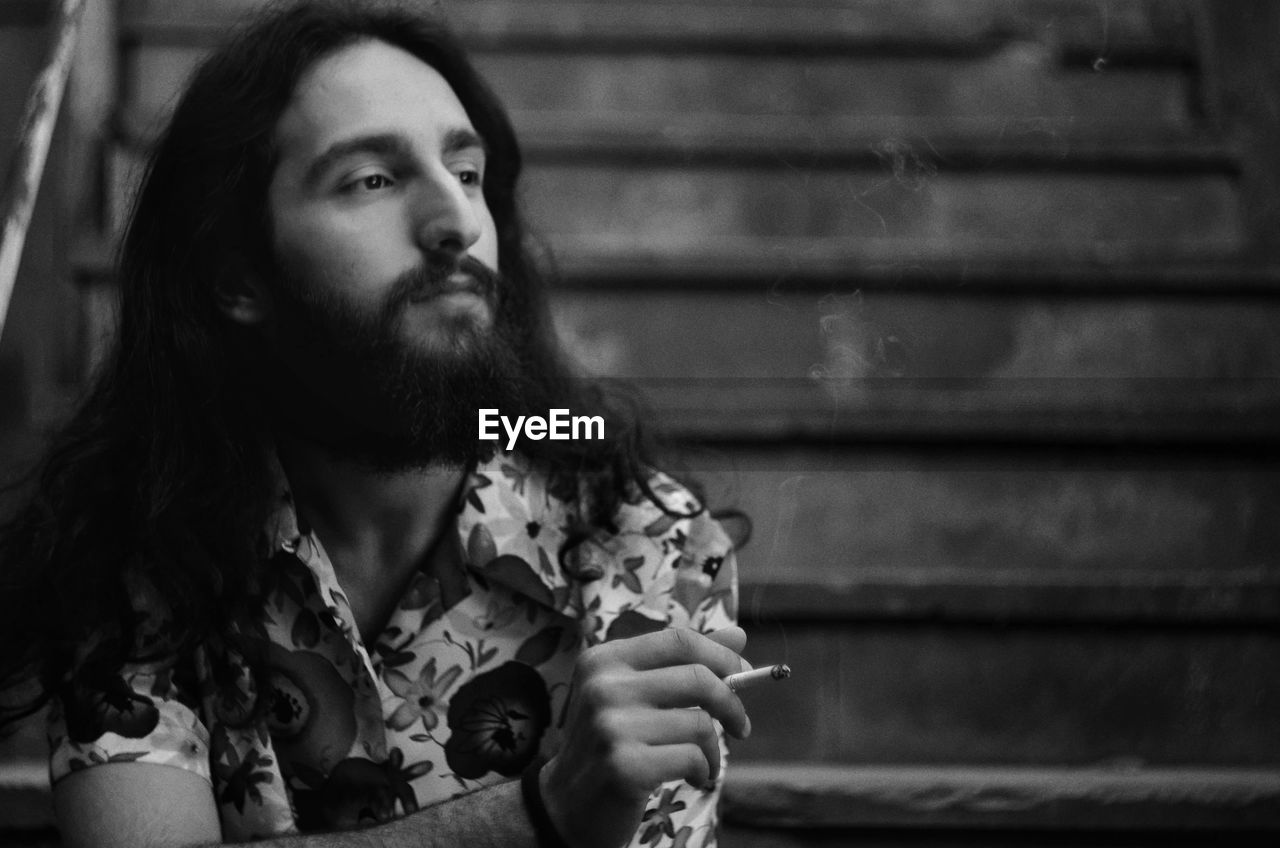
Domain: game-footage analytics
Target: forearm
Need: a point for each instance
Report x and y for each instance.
(493, 817)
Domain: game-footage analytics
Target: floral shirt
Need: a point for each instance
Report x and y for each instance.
(464, 686)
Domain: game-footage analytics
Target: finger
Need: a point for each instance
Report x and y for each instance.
(692, 686)
(679, 646)
(680, 762)
(677, 727)
(733, 638)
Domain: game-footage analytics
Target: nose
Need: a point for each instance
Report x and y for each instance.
(446, 219)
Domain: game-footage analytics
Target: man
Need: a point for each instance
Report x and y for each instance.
(271, 583)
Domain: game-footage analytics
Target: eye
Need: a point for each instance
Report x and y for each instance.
(373, 182)
(470, 177)
(368, 181)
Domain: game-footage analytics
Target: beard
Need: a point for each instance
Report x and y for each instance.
(373, 397)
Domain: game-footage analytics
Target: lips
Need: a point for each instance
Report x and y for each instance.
(458, 283)
(452, 275)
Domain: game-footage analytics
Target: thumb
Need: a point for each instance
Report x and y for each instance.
(734, 638)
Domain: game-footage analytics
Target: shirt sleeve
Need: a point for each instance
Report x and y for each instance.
(132, 714)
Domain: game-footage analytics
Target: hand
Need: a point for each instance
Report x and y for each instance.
(629, 729)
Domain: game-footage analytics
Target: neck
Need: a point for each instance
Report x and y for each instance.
(386, 521)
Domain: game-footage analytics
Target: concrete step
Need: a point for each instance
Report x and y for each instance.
(807, 804)
(1148, 30)
(972, 143)
(895, 207)
(909, 209)
(1017, 84)
(1192, 415)
(796, 266)
(937, 366)
(1014, 694)
(996, 535)
(804, 798)
(1061, 342)
(940, 364)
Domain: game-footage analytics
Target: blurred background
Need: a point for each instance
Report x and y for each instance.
(972, 305)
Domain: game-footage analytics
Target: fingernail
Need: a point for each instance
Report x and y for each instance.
(746, 728)
(746, 666)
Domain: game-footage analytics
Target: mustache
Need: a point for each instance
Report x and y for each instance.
(438, 275)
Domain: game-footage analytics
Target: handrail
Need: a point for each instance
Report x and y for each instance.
(22, 183)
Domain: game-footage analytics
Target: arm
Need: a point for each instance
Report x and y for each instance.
(629, 729)
(140, 805)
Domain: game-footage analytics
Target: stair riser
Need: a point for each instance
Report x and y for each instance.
(1047, 516)
(879, 693)
(1021, 83)
(911, 203)
(1092, 346)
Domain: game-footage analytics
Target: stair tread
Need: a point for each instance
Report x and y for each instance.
(1187, 412)
(1229, 596)
(794, 264)
(852, 264)
(815, 795)
(806, 795)
(980, 142)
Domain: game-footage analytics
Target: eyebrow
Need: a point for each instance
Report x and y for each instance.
(387, 144)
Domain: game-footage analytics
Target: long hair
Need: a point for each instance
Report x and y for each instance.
(165, 469)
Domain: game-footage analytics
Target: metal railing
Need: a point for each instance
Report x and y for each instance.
(22, 184)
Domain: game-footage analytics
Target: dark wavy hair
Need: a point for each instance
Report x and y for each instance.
(164, 470)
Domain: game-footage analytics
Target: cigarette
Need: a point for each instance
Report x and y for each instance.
(747, 679)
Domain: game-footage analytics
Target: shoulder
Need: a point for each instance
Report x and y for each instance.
(665, 562)
(661, 560)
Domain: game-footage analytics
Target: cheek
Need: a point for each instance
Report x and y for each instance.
(335, 254)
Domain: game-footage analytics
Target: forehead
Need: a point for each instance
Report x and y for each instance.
(370, 86)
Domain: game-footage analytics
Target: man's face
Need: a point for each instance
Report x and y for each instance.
(379, 175)
(388, 325)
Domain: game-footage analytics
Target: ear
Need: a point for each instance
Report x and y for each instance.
(244, 301)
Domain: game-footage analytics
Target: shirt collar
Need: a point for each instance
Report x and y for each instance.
(509, 525)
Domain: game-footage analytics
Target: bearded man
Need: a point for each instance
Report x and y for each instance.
(270, 583)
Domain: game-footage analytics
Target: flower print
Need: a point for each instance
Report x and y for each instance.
(471, 489)
(311, 709)
(527, 526)
(240, 777)
(423, 698)
(632, 623)
(99, 702)
(498, 615)
(628, 577)
(516, 475)
(513, 572)
(585, 561)
(656, 821)
(497, 720)
(593, 622)
(691, 589)
(360, 792)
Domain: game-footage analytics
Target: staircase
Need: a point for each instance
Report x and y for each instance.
(973, 307)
